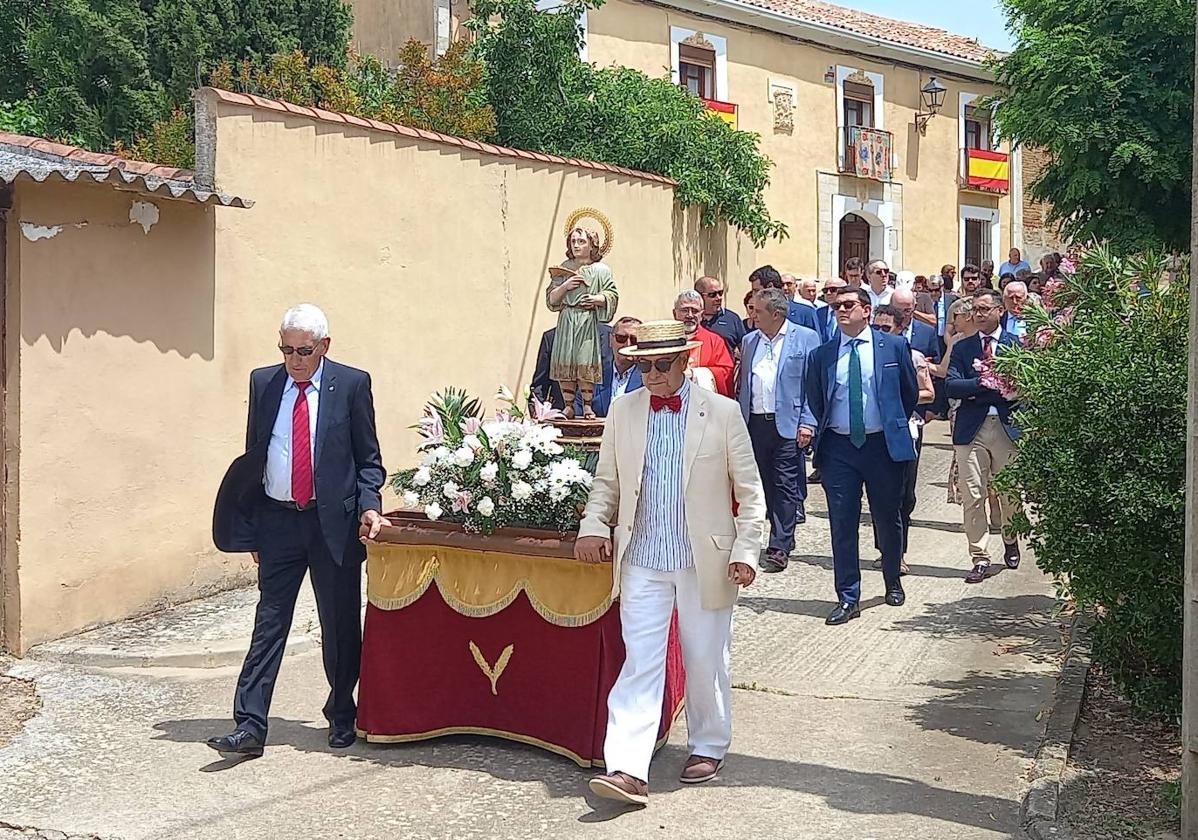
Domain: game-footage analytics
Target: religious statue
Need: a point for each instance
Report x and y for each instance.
(583, 293)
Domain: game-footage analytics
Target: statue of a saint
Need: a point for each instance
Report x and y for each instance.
(583, 293)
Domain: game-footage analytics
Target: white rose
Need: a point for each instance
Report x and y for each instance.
(433, 511)
(486, 507)
(442, 454)
(422, 477)
(522, 459)
(463, 457)
(489, 472)
(521, 490)
(429, 459)
(450, 489)
(410, 499)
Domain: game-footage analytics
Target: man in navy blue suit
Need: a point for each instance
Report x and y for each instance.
(862, 389)
(310, 477)
(768, 277)
(621, 376)
(825, 316)
(919, 335)
(771, 390)
(549, 391)
(984, 434)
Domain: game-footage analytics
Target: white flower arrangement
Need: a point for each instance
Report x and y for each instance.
(510, 470)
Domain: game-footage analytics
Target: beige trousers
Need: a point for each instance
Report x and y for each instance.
(977, 463)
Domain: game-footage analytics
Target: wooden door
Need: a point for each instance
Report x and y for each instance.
(854, 239)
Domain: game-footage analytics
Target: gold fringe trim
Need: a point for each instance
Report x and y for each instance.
(480, 584)
(373, 738)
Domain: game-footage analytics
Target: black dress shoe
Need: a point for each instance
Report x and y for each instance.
(843, 614)
(340, 737)
(1011, 555)
(979, 573)
(895, 596)
(773, 561)
(238, 742)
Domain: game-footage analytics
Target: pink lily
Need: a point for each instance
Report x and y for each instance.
(432, 429)
(461, 501)
(543, 412)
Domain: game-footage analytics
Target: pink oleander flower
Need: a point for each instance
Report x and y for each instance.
(992, 379)
(1045, 336)
(1048, 295)
(461, 501)
(543, 412)
(1067, 266)
(471, 425)
(1065, 316)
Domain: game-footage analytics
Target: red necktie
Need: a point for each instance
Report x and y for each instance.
(673, 403)
(301, 449)
(988, 347)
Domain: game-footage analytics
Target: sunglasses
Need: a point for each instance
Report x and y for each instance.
(624, 339)
(287, 350)
(662, 365)
(880, 271)
(891, 328)
(844, 305)
(714, 295)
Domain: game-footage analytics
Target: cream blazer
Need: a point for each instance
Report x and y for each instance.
(719, 463)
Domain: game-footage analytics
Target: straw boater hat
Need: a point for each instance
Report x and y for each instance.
(660, 338)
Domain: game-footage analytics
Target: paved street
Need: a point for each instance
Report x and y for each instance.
(917, 722)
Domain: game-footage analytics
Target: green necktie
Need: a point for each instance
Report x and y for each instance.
(856, 397)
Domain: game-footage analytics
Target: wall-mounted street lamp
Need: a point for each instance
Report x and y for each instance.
(931, 98)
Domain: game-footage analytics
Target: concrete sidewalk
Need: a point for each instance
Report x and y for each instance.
(916, 722)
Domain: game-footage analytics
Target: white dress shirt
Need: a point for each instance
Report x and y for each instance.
(277, 479)
(660, 538)
(878, 298)
(839, 418)
(993, 412)
(764, 380)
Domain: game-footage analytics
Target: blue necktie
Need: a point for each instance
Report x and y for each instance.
(856, 396)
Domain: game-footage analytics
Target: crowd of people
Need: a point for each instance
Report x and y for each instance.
(845, 374)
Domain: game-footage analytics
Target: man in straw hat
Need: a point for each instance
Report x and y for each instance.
(673, 458)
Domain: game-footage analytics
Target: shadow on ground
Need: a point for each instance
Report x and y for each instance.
(844, 790)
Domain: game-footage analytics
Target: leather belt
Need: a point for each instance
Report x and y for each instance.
(292, 505)
(768, 417)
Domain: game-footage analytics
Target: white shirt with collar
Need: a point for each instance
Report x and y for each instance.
(879, 298)
(619, 382)
(277, 480)
(764, 380)
(993, 412)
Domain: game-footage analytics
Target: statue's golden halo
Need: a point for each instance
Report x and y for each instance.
(591, 213)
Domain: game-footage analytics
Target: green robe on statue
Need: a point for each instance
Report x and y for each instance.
(576, 351)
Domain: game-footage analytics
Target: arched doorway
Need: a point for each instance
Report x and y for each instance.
(854, 239)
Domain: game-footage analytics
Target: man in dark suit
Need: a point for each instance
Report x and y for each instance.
(984, 434)
(862, 389)
(547, 390)
(920, 336)
(825, 316)
(934, 313)
(768, 277)
(622, 376)
(310, 477)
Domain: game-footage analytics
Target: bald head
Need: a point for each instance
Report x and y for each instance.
(903, 300)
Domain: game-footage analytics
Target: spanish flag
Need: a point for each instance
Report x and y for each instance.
(989, 170)
(726, 111)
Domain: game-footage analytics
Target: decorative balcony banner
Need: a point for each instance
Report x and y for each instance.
(990, 171)
(872, 153)
(726, 111)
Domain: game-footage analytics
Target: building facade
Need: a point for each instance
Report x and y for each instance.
(836, 97)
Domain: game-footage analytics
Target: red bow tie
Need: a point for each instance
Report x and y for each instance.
(673, 403)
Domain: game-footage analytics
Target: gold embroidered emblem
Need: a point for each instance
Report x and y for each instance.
(492, 674)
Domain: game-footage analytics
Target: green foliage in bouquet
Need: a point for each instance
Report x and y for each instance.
(486, 474)
(1101, 465)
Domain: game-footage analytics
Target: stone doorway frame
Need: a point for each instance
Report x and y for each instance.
(881, 204)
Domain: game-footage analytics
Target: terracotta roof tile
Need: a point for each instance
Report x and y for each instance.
(895, 31)
(431, 136)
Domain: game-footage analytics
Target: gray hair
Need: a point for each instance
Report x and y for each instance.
(689, 294)
(1022, 286)
(961, 306)
(307, 319)
(807, 281)
(773, 301)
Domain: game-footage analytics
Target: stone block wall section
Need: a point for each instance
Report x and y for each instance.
(1039, 237)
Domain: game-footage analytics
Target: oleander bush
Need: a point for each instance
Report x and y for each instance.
(1102, 462)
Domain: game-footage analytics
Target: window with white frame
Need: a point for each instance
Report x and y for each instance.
(859, 98)
(442, 26)
(699, 63)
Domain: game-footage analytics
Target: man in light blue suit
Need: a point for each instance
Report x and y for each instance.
(772, 394)
(862, 389)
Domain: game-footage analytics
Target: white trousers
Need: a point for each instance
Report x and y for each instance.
(634, 706)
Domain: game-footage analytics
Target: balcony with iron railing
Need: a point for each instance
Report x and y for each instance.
(985, 170)
(868, 152)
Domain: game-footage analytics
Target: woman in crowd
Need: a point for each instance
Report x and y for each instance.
(960, 325)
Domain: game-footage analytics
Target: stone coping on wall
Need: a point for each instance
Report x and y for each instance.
(279, 106)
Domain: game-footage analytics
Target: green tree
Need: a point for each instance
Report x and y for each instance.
(1102, 461)
(1106, 87)
(547, 100)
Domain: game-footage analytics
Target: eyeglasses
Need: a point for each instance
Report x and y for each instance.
(889, 328)
(968, 277)
(303, 351)
(844, 305)
(983, 310)
(662, 365)
(624, 339)
(719, 293)
(880, 271)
